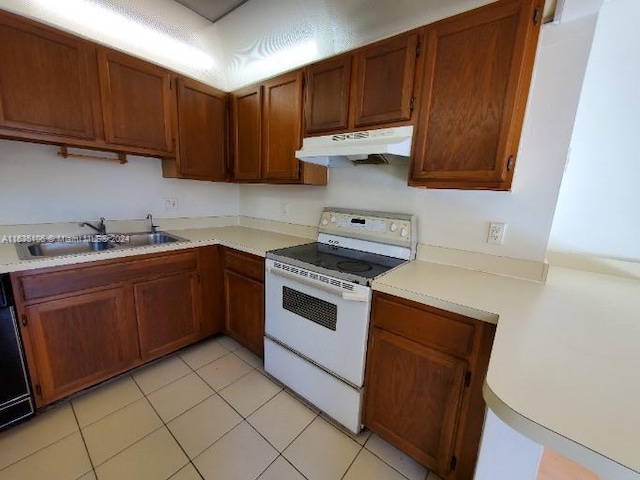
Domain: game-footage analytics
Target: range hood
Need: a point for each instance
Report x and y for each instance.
(348, 149)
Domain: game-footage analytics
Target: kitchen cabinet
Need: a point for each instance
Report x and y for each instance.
(82, 324)
(168, 313)
(202, 133)
(327, 95)
(475, 84)
(137, 102)
(48, 84)
(79, 340)
(423, 386)
(268, 130)
(244, 299)
(384, 78)
(247, 134)
(372, 86)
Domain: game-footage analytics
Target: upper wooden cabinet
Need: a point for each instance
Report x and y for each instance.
(327, 95)
(137, 102)
(423, 385)
(373, 86)
(476, 80)
(247, 134)
(267, 131)
(384, 81)
(282, 126)
(48, 83)
(202, 133)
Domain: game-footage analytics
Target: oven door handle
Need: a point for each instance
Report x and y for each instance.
(353, 297)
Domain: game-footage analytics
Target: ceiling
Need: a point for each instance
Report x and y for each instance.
(212, 10)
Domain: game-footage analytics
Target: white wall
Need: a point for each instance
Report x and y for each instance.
(38, 186)
(598, 210)
(460, 219)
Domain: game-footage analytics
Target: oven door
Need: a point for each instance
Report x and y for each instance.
(323, 319)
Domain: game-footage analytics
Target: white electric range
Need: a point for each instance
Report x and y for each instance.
(318, 300)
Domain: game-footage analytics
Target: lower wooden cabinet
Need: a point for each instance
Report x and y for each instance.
(78, 341)
(244, 299)
(82, 324)
(423, 386)
(168, 313)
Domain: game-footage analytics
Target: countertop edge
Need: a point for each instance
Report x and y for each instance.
(598, 463)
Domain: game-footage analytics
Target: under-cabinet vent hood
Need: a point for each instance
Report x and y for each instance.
(347, 149)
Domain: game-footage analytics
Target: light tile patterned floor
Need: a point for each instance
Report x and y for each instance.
(208, 412)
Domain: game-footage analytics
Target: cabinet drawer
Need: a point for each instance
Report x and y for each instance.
(250, 265)
(429, 326)
(41, 284)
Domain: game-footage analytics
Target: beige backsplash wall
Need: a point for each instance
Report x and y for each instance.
(460, 219)
(38, 186)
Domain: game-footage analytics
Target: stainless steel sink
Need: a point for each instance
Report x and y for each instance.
(146, 239)
(74, 246)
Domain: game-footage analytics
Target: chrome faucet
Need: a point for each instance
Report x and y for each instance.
(152, 228)
(101, 228)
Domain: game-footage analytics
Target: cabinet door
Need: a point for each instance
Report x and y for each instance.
(247, 134)
(476, 80)
(413, 395)
(202, 127)
(244, 310)
(78, 341)
(48, 81)
(137, 102)
(282, 127)
(168, 313)
(384, 81)
(327, 95)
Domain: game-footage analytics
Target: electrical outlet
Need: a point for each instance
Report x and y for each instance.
(496, 233)
(171, 204)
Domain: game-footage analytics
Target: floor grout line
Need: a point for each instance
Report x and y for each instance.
(38, 450)
(84, 441)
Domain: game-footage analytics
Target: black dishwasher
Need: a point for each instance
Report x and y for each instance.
(15, 397)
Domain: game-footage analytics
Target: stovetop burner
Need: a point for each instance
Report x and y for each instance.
(354, 266)
(345, 263)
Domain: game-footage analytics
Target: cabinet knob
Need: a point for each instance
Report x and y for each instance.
(404, 232)
(394, 227)
(325, 221)
(510, 163)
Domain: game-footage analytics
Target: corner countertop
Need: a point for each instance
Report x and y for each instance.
(564, 364)
(250, 240)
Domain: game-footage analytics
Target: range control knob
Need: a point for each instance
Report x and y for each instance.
(404, 232)
(333, 219)
(325, 221)
(393, 227)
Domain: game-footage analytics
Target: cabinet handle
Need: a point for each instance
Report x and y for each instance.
(510, 163)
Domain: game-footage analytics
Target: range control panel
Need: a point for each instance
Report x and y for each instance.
(380, 227)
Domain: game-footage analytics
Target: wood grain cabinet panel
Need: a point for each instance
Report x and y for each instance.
(267, 131)
(327, 95)
(247, 134)
(244, 299)
(476, 80)
(418, 397)
(423, 383)
(138, 102)
(202, 131)
(384, 75)
(82, 324)
(47, 80)
(81, 340)
(282, 126)
(168, 313)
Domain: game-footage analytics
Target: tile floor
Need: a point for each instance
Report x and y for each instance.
(208, 412)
